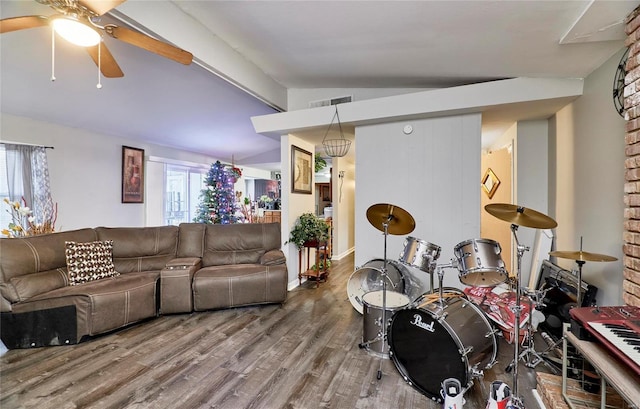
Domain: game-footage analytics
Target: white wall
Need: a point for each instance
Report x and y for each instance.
(293, 204)
(531, 187)
(343, 206)
(587, 178)
(85, 171)
(433, 173)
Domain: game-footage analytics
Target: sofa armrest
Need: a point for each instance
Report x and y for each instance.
(5, 305)
(183, 263)
(175, 285)
(273, 257)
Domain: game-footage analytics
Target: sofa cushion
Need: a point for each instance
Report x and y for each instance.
(38, 253)
(235, 285)
(89, 261)
(137, 249)
(227, 244)
(191, 240)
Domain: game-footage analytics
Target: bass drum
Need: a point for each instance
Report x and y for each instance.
(434, 342)
(368, 278)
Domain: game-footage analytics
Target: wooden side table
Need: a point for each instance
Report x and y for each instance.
(319, 274)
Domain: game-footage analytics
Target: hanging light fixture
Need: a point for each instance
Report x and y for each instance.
(336, 148)
(75, 31)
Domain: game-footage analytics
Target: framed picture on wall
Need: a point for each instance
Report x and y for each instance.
(132, 175)
(300, 170)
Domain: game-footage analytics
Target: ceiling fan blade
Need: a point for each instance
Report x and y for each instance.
(100, 6)
(150, 44)
(8, 25)
(108, 65)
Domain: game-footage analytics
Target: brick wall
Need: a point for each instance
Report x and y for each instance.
(631, 248)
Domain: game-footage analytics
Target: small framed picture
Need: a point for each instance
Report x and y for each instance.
(300, 170)
(490, 183)
(132, 175)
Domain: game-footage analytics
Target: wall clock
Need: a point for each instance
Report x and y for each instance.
(618, 84)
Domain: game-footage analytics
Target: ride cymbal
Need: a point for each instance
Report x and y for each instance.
(520, 216)
(398, 220)
(582, 256)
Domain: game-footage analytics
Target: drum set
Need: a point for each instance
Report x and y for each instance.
(433, 336)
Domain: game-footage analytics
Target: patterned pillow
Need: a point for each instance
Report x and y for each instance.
(89, 261)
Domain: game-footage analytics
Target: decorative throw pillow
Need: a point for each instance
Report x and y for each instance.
(89, 261)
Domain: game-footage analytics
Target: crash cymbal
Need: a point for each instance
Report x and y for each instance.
(520, 216)
(581, 256)
(399, 221)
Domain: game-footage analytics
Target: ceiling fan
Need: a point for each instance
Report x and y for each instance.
(76, 22)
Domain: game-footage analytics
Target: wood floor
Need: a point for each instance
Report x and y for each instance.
(302, 354)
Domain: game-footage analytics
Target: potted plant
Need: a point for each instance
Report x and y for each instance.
(319, 163)
(308, 231)
(265, 202)
(324, 264)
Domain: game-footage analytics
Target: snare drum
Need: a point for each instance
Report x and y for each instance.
(374, 327)
(419, 253)
(480, 263)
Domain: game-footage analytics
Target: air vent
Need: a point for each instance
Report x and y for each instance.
(331, 101)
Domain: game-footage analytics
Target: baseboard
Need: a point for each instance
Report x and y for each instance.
(536, 395)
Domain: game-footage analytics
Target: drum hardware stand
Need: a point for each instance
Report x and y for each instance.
(432, 268)
(440, 272)
(529, 355)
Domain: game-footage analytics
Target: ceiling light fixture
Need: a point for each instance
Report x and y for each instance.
(336, 148)
(75, 31)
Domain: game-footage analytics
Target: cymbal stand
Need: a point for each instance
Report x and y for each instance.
(529, 355)
(580, 263)
(517, 310)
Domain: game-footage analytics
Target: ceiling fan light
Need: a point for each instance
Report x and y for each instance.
(75, 31)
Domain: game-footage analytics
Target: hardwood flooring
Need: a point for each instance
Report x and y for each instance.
(302, 354)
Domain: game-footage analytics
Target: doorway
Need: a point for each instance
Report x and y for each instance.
(496, 168)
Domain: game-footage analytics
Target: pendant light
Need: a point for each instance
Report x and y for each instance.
(336, 148)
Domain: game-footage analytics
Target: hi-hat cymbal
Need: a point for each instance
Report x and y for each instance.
(582, 256)
(398, 220)
(520, 216)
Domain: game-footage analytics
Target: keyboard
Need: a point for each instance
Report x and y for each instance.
(616, 328)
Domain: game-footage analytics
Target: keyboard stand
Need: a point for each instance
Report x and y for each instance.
(610, 369)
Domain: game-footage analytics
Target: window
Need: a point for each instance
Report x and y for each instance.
(5, 216)
(182, 191)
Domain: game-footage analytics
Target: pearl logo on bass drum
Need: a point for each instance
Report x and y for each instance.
(417, 321)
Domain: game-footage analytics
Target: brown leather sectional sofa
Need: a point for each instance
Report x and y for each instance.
(163, 270)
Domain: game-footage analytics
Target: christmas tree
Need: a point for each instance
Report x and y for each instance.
(217, 199)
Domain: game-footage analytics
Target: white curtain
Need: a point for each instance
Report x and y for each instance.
(28, 178)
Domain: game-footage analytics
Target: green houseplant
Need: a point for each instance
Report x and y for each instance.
(308, 229)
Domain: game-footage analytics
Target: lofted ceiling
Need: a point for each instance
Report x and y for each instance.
(294, 44)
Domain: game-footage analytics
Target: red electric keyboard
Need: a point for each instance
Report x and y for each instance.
(616, 328)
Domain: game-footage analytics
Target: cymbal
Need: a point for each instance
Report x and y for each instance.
(520, 216)
(398, 220)
(582, 256)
